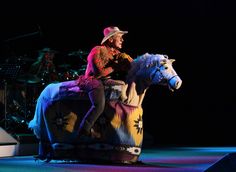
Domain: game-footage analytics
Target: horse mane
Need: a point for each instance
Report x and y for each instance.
(141, 62)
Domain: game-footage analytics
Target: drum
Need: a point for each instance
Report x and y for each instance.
(68, 75)
(48, 77)
(22, 97)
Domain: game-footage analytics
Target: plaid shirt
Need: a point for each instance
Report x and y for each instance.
(99, 59)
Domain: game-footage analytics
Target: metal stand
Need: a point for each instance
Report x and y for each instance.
(8, 72)
(5, 107)
(5, 103)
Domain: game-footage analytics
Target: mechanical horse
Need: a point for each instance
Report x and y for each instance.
(61, 107)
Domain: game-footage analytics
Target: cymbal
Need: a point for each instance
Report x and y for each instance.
(77, 53)
(28, 78)
(27, 59)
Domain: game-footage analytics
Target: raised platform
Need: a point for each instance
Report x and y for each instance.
(7, 144)
(17, 145)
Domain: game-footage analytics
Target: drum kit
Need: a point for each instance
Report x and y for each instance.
(22, 90)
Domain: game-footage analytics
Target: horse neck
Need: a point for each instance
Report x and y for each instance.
(130, 95)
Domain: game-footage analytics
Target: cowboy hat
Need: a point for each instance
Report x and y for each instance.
(110, 31)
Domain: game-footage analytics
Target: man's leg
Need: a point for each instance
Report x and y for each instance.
(97, 98)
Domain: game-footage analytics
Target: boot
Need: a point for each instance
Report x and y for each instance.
(95, 134)
(92, 133)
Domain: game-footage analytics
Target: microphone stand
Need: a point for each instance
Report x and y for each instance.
(5, 104)
(22, 36)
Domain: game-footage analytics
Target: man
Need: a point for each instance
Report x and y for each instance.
(103, 63)
(44, 68)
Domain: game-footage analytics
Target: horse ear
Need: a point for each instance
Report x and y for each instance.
(162, 62)
(146, 54)
(172, 60)
(166, 56)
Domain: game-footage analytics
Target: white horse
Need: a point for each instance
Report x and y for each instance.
(61, 107)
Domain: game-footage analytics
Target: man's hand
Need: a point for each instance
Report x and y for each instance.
(124, 56)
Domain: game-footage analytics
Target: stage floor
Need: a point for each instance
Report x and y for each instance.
(168, 159)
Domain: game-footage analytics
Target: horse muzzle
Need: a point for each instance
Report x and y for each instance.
(174, 83)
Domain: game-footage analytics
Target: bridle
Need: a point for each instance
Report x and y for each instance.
(161, 76)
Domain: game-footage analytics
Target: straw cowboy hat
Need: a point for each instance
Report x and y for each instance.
(110, 31)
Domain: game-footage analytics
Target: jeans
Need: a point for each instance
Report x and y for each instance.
(97, 98)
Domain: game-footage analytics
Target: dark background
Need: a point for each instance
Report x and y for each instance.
(200, 35)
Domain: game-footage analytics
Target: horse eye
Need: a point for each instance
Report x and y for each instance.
(165, 67)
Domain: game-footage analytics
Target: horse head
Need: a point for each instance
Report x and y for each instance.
(149, 69)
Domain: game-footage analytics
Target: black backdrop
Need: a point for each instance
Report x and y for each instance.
(200, 35)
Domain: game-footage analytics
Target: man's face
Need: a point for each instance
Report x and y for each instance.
(49, 56)
(117, 40)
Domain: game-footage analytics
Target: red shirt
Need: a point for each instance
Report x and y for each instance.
(98, 62)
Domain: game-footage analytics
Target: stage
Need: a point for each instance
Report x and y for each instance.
(161, 159)
(197, 34)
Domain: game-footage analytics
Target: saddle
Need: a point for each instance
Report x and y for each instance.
(114, 90)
